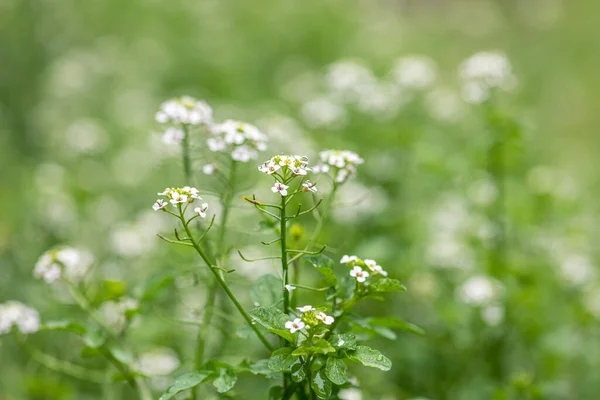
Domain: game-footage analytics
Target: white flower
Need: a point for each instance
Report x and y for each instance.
(173, 136)
(376, 269)
(290, 288)
(242, 140)
(298, 165)
(350, 394)
(492, 314)
(306, 308)
(184, 110)
(340, 342)
(14, 313)
(359, 274)
(320, 168)
(479, 290)
(115, 313)
(295, 325)
(346, 259)
(157, 362)
(484, 71)
(159, 204)
(201, 211)
(326, 319)
(414, 72)
(244, 154)
(216, 144)
(279, 187)
(309, 186)
(344, 163)
(209, 169)
(177, 197)
(67, 262)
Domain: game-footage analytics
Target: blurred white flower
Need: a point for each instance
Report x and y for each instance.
(209, 169)
(483, 192)
(347, 77)
(323, 112)
(326, 319)
(479, 290)
(115, 313)
(184, 110)
(346, 259)
(159, 205)
(86, 136)
(414, 72)
(577, 269)
(350, 394)
(290, 288)
(444, 105)
(492, 314)
(157, 362)
(484, 71)
(63, 263)
(242, 140)
(173, 136)
(295, 325)
(358, 273)
(306, 308)
(375, 268)
(14, 313)
(342, 163)
(309, 186)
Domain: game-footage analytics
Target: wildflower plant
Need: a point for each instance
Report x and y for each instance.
(308, 348)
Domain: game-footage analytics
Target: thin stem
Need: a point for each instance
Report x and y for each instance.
(185, 152)
(284, 259)
(226, 288)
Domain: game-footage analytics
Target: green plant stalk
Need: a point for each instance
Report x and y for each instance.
(284, 260)
(136, 383)
(223, 284)
(185, 152)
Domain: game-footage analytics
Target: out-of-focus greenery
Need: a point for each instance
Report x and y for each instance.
(81, 160)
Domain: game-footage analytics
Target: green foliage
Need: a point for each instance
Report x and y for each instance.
(321, 385)
(273, 319)
(185, 382)
(370, 358)
(324, 265)
(266, 291)
(314, 346)
(282, 359)
(336, 370)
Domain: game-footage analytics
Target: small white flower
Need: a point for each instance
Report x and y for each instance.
(209, 169)
(326, 319)
(280, 188)
(340, 342)
(346, 259)
(157, 362)
(298, 165)
(308, 185)
(184, 110)
(295, 325)
(376, 269)
(173, 136)
(359, 274)
(159, 205)
(320, 168)
(479, 290)
(306, 308)
(201, 211)
(14, 313)
(177, 198)
(216, 144)
(290, 288)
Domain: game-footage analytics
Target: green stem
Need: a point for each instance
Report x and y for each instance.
(284, 261)
(224, 285)
(185, 151)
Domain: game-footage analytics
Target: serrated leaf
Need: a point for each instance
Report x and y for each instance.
(345, 341)
(370, 358)
(282, 360)
(298, 371)
(321, 385)
(387, 285)
(273, 319)
(64, 326)
(316, 346)
(185, 382)
(336, 370)
(267, 290)
(324, 265)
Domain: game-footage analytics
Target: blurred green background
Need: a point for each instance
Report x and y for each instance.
(81, 159)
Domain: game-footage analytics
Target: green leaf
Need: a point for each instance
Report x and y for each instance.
(267, 290)
(282, 360)
(225, 380)
(336, 370)
(298, 371)
(321, 385)
(324, 265)
(276, 393)
(185, 382)
(345, 341)
(154, 287)
(260, 367)
(64, 326)
(387, 285)
(109, 290)
(94, 339)
(370, 358)
(396, 323)
(317, 363)
(315, 346)
(274, 320)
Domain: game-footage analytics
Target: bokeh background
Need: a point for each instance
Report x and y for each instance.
(81, 159)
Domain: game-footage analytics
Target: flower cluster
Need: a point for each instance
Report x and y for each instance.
(485, 71)
(184, 110)
(310, 317)
(285, 168)
(360, 268)
(243, 141)
(178, 196)
(64, 263)
(14, 313)
(342, 162)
